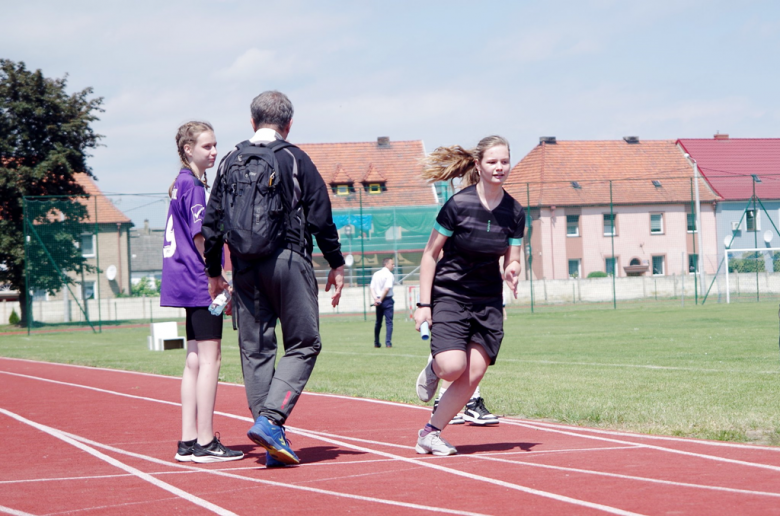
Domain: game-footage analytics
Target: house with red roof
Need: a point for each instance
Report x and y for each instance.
(745, 174)
(381, 206)
(623, 207)
(105, 242)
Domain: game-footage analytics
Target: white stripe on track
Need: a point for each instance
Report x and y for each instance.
(14, 512)
(223, 473)
(652, 447)
(480, 478)
(314, 435)
(689, 440)
(626, 477)
(138, 473)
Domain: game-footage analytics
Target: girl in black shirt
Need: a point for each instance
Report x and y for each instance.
(460, 295)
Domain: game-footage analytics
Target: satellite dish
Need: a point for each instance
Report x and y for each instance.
(768, 235)
(111, 273)
(349, 260)
(727, 241)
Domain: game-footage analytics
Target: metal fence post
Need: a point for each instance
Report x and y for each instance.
(612, 239)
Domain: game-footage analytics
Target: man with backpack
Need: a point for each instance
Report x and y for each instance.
(267, 202)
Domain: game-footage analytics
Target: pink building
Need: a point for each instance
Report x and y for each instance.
(585, 197)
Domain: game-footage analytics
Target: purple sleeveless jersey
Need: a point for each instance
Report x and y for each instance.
(184, 281)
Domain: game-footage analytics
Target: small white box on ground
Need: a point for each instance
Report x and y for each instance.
(165, 336)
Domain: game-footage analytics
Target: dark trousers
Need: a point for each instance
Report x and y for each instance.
(281, 287)
(386, 310)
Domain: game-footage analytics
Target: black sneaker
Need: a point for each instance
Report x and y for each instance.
(457, 419)
(377, 345)
(477, 414)
(184, 453)
(214, 451)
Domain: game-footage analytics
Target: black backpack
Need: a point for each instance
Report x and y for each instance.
(257, 200)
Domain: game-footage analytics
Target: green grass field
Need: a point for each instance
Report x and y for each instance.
(710, 372)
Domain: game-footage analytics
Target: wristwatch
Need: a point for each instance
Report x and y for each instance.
(423, 305)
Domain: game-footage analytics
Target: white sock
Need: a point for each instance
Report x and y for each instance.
(476, 393)
(442, 390)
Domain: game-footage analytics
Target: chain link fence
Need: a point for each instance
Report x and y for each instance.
(97, 260)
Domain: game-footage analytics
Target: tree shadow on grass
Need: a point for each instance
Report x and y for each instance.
(494, 447)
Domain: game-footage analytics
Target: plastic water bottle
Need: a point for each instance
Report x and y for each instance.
(425, 334)
(219, 303)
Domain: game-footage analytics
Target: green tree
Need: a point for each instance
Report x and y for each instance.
(44, 137)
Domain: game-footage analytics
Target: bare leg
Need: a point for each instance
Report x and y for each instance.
(189, 381)
(463, 385)
(209, 360)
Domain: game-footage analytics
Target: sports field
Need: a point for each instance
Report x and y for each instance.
(710, 372)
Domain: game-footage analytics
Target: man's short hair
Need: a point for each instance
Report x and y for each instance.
(386, 261)
(272, 108)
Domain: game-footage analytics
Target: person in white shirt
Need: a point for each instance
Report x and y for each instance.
(382, 294)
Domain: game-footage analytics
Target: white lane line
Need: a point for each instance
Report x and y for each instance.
(688, 440)
(652, 447)
(626, 477)
(480, 478)
(529, 490)
(14, 512)
(61, 479)
(138, 473)
(224, 473)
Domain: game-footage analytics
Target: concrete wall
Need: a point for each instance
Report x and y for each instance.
(594, 290)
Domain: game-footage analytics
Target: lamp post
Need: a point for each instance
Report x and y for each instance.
(699, 262)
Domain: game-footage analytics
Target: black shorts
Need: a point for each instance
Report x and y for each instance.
(201, 325)
(456, 324)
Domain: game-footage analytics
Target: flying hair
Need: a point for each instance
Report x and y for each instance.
(450, 163)
(188, 135)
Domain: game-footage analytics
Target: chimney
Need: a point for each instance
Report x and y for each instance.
(146, 227)
(719, 136)
(631, 139)
(547, 139)
(383, 141)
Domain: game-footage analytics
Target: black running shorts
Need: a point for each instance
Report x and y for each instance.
(456, 324)
(201, 325)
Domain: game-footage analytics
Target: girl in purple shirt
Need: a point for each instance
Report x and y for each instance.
(184, 285)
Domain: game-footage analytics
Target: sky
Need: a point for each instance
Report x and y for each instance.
(445, 72)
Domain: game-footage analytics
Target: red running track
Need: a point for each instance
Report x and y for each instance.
(95, 441)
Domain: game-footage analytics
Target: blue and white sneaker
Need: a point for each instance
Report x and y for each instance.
(272, 438)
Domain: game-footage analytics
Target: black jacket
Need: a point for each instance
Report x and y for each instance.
(314, 201)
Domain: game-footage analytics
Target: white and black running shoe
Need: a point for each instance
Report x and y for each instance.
(434, 443)
(184, 451)
(214, 451)
(456, 420)
(477, 414)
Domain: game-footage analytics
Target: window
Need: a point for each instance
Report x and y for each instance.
(374, 188)
(656, 223)
(658, 265)
(342, 190)
(753, 220)
(88, 290)
(609, 224)
(692, 262)
(691, 222)
(40, 294)
(574, 268)
(572, 226)
(87, 246)
(611, 266)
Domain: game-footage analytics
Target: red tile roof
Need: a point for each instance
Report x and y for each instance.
(398, 164)
(106, 211)
(728, 165)
(544, 176)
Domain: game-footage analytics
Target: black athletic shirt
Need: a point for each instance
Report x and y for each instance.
(477, 238)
